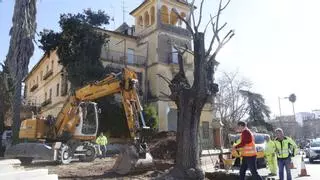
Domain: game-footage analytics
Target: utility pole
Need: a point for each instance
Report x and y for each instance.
(279, 106)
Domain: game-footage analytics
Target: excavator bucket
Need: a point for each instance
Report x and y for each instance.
(128, 161)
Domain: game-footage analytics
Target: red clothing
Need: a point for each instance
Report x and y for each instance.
(246, 138)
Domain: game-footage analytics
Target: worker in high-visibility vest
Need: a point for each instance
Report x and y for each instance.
(270, 156)
(285, 149)
(102, 142)
(248, 152)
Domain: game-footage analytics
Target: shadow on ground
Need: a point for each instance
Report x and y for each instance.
(225, 176)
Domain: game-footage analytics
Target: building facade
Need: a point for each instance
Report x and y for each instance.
(303, 116)
(148, 49)
(46, 86)
(311, 128)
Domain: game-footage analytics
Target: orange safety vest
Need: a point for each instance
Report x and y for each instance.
(249, 150)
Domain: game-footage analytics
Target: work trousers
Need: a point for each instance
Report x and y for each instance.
(272, 163)
(103, 150)
(251, 163)
(284, 163)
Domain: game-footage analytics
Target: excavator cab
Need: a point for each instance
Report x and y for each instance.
(88, 124)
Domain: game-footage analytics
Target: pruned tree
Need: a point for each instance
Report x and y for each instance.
(191, 98)
(20, 51)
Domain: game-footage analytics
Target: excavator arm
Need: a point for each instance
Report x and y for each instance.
(123, 83)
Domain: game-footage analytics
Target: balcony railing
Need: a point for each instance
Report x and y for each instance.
(175, 29)
(29, 102)
(34, 87)
(46, 102)
(48, 74)
(120, 58)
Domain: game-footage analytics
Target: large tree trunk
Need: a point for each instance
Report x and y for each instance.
(187, 157)
(20, 51)
(190, 102)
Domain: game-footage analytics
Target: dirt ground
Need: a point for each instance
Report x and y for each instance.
(162, 147)
(98, 169)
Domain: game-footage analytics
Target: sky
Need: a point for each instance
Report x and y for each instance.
(275, 45)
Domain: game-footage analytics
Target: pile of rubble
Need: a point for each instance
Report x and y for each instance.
(163, 145)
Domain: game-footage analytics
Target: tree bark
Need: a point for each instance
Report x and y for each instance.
(187, 157)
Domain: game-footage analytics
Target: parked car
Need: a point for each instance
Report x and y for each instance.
(313, 150)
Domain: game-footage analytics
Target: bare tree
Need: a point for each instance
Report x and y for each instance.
(20, 51)
(231, 105)
(190, 99)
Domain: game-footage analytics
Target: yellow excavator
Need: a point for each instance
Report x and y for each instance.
(70, 134)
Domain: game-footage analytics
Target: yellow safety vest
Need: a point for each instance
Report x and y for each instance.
(102, 140)
(285, 147)
(236, 153)
(270, 148)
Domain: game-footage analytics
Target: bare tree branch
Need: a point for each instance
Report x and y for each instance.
(216, 29)
(183, 50)
(192, 15)
(210, 21)
(200, 16)
(216, 36)
(225, 5)
(225, 40)
(165, 79)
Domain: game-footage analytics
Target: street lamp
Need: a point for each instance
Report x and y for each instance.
(292, 99)
(279, 98)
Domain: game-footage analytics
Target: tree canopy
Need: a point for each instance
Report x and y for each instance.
(78, 45)
(259, 112)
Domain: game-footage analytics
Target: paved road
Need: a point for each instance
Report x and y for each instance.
(312, 169)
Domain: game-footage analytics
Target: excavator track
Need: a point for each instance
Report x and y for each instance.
(128, 161)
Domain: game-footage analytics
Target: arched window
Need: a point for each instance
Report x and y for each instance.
(140, 22)
(173, 17)
(146, 19)
(164, 14)
(152, 14)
